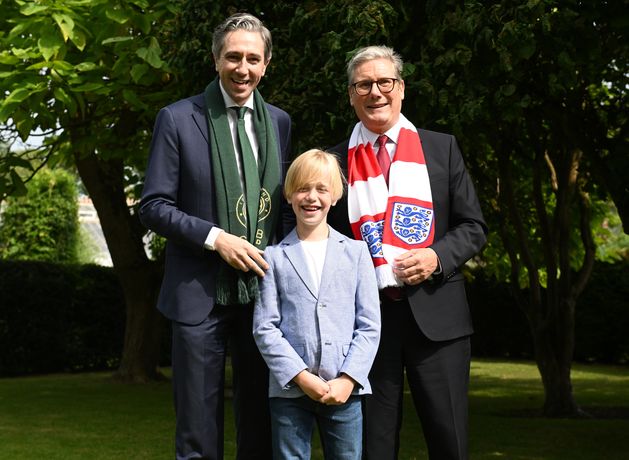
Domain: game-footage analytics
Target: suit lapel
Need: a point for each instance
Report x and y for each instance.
(334, 253)
(296, 257)
(200, 117)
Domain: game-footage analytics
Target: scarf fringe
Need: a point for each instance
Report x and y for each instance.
(239, 290)
(385, 277)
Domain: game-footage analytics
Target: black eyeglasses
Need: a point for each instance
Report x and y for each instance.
(385, 85)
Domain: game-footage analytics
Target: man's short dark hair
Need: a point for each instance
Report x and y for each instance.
(242, 21)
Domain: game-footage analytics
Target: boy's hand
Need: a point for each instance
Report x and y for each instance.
(340, 390)
(314, 387)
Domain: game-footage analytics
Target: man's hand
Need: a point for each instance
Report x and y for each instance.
(340, 390)
(240, 254)
(416, 265)
(314, 387)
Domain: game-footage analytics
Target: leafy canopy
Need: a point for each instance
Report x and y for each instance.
(84, 66)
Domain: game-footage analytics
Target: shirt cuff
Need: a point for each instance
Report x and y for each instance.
(438, 270)
(437, 273)
(211, 238)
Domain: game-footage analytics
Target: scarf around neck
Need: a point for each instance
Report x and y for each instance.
(393, 219)
(235, 286)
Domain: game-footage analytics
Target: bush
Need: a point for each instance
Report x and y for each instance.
(500, 327)
(601, 318)
(43, 224)
(59, 318)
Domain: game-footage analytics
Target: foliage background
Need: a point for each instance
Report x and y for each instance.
(535, 92)
(43, 224)
(64, 317)
(57, 318)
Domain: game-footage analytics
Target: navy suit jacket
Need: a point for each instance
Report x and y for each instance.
(178, 203)
(440, 306)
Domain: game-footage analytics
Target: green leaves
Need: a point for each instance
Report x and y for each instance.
(138, 71)
(89, 46)
(31, 8)
(110, 40)
(117, 14)
(66, 25)
(10, 180)
(18, 95)
(49, 44)
(68, 101)
(43, 223)
(90, 63)
(151, 54)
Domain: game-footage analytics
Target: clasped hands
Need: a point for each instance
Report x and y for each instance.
(332, 393)
(416, 265)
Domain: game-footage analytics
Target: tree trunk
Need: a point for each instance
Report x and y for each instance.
(550, 305)
(139, 277)
(554, 344)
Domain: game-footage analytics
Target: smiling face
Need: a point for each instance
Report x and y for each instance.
(377, 111)
(241, 65)
(311, 203)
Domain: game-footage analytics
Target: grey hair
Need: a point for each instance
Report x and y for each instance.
(242, 21)
(369, 53)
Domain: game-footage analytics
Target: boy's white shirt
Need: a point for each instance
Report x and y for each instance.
(315, 257)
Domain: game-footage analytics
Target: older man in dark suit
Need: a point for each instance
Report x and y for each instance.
(411, 199)
(213, 188)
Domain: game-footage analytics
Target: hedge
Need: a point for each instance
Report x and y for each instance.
(56, 318)
(601, 318)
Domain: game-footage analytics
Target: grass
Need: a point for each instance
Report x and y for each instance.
(90, 416)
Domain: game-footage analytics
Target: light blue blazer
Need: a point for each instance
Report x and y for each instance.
(333, 331)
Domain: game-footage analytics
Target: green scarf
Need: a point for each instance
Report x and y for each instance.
(235, 286)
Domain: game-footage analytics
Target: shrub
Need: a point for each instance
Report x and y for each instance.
(59, 318)
(63, 317)
(601, 318)
(43, 224)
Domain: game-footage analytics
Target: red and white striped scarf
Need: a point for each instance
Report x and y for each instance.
(390, 220)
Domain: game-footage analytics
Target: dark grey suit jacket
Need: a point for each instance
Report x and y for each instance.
(178, 203)
(440, 307)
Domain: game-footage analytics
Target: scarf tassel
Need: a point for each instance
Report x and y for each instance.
(229, 287)
(385, 277)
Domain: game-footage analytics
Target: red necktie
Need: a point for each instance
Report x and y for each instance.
(384, 160)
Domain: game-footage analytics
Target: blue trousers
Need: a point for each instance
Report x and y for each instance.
(292, 424)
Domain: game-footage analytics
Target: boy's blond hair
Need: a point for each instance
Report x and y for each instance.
(310, 166)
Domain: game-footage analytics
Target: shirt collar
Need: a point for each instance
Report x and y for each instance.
(393, 133)
(229, 102)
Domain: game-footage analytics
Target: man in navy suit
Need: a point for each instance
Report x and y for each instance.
(201, 192)
(415, 205)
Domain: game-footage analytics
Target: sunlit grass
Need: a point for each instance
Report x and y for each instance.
(89, 416)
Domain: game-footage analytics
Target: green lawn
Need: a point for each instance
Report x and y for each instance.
(88, 416)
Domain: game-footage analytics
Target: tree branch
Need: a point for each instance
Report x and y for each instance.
(585, 217)
(504, 167)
